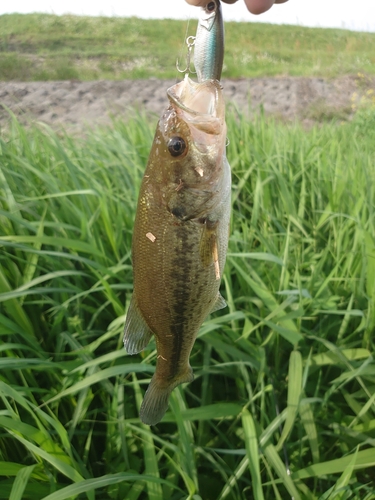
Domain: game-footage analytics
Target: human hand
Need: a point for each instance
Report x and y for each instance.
(254, 6)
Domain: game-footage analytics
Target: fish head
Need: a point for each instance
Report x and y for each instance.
(191, 139)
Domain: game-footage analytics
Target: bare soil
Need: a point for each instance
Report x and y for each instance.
(77, 105)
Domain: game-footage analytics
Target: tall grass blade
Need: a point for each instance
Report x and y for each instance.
(251, 443)
(20, 482)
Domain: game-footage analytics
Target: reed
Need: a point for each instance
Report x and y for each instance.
(283, 402)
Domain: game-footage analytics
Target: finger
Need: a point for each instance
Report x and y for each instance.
(259, 6)
(198, 3)
(254, 6)
(201, 3)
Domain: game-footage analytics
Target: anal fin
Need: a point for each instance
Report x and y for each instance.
(136, 331)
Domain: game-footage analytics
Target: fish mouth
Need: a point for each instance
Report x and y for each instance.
(201, 104)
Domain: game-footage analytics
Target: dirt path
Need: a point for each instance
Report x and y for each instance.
(76, 104)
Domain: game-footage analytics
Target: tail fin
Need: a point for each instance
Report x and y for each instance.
(155, 402)
(156, 399)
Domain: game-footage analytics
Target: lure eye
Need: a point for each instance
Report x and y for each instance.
(176, 146)
(211, 7)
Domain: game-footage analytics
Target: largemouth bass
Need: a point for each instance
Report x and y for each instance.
(180, 236)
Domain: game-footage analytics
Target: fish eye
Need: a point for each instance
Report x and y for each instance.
(176, 146)
(211, 6)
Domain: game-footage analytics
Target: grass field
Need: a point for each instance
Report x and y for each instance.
(283, 404)
(48, 47)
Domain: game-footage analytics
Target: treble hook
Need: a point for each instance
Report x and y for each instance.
(190, 41)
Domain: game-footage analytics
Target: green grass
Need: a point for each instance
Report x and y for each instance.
(283, 402)
(49, 47)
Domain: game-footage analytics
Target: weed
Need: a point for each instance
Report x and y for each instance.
(14, 67)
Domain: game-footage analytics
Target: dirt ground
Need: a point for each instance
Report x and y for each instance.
(76, 105)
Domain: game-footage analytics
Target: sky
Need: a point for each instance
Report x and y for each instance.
(356, 15)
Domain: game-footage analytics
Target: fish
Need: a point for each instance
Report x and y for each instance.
(180, 236)
(209, 42)
(181, 227)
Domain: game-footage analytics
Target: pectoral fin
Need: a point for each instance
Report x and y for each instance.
(209, 250)
(136, 332)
